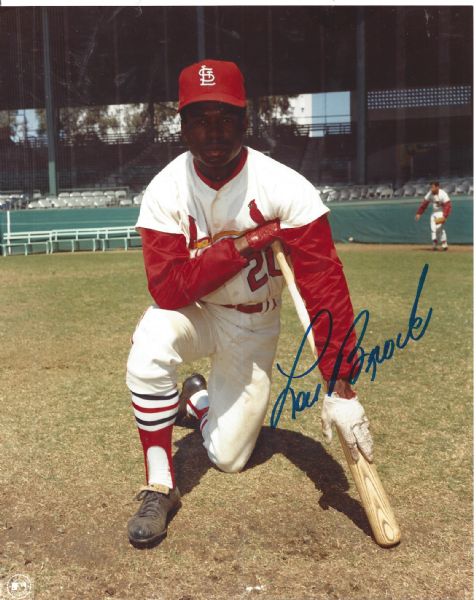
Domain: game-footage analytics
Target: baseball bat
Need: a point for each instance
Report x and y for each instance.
(371, 491)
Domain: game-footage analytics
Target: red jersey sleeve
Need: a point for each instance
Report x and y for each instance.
(447, 209)
(321, 281)
(174, 278)
(422, 207)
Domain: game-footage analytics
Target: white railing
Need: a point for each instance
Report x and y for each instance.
(94, 238)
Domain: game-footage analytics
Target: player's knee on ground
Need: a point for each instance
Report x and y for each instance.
(231, 466)
(229, 461)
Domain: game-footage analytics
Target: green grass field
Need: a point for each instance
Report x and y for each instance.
(290, 526)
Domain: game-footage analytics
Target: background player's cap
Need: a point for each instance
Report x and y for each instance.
(212, 80)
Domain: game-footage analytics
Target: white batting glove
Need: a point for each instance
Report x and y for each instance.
(349, 417)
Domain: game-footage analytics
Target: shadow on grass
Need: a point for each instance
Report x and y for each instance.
(308, 455)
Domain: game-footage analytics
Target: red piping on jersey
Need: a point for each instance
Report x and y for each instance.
(216, 185)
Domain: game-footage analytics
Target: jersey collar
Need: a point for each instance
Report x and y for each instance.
(216, 185)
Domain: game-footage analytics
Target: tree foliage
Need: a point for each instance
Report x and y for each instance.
(271, 113)
(153, 120)
(8, 125)
(107, 123)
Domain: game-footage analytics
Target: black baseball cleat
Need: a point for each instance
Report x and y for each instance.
(149, 525)
(194, 383)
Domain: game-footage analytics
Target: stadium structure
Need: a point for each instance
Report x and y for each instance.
(407, 71)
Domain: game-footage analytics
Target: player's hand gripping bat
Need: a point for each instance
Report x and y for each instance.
(372, 494)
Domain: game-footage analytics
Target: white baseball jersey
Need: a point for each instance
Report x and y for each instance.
(438, 199)
(177, 201)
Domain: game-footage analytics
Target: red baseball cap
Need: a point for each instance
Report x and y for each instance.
(212, 80)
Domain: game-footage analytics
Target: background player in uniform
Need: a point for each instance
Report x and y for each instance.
(207, 221)
(441, 210)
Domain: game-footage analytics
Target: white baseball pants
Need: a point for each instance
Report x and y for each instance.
(438, 233)
(242, 348)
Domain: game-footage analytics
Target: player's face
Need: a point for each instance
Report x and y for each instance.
(435, 189)
(213, 132)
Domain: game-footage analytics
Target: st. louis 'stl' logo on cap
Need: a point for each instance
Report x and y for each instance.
(211, 80)
(207, 76)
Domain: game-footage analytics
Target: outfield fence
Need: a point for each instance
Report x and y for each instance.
(393, 222)
(373, 221)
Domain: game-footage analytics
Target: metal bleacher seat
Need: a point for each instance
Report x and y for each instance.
(46, 202)
(333, 196)
(363, 192)
(462, 187)
(398, 192)
(421, 189)
(87, 201)
(385, 191)
(324, 192)
(12, 201)
(100, 201)
(449, 187)
(371, 192)
(60, 201)
(408, 191)
(111, 199)
(73, 201)
(344, 195)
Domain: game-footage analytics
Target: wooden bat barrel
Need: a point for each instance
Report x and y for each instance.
(372, 494)
(374, 499)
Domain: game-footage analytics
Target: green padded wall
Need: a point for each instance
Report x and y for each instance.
(383, 222)
(393, 222)
(47, 219)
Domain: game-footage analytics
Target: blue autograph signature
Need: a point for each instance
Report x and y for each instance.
(359, 358)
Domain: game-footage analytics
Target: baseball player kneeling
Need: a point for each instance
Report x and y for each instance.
(441, 205)
(207, 221)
